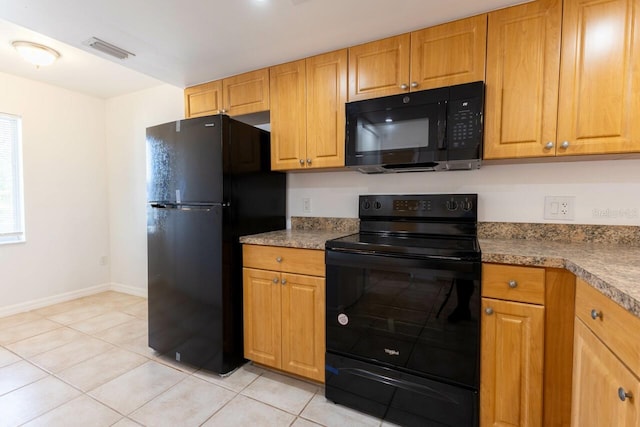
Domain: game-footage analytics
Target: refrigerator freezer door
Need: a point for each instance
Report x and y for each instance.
(184, 161)
(185, 277)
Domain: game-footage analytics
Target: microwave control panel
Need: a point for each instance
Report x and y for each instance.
(464, 123)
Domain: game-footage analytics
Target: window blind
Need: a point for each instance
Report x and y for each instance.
(11, 198)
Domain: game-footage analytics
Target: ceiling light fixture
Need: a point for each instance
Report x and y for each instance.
(108, 48)
(36, 54)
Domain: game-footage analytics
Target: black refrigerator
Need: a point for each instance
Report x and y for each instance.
(208, 183)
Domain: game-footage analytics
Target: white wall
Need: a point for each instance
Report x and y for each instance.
(512, 193)
(65, 184)
(127, 117)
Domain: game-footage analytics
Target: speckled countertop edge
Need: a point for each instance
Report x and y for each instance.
(613, 269)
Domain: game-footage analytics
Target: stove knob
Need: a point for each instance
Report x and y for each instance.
(467, 205)
(377, 205)
(366, 205)
(452, 205)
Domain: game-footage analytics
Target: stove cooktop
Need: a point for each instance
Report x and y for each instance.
(464, 248)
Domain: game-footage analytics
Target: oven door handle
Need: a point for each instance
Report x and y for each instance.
(406, 385)
(397, 255)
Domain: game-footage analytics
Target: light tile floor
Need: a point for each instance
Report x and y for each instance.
(86, 362)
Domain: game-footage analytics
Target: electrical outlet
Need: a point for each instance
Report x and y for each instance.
(306, 205)
(559, 207)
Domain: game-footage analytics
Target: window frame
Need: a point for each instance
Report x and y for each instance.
(16, 191)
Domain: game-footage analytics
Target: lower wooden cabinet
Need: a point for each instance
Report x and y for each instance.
(606, 370)
(526, 346)
(284, 309)
(601, 381)
(512, 361)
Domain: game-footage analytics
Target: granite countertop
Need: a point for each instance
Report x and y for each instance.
(306, 239)
(612, 268)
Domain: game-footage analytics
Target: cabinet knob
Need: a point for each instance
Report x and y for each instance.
(301, 162)
(489, 311)
(284, 282)
(595, 314)
(279, 259)
(513, 284)
(275, 280)
(414, 84)
(308, 161)
(223, 111)
(404, 86)
(565, 145)
(549, 145)
(624, 395)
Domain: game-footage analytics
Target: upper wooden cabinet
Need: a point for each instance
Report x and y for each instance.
(535, 107)
(447, 54)
(242, 94)
(523, 62)
(308, 112)
(599, 99)
(203, 100)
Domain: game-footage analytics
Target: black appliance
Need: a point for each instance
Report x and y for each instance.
(429, 130)
(208, 183)
(403, 310)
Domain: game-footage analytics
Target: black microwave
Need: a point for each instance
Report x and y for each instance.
(429, 130)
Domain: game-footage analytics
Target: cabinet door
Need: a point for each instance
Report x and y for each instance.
(203, 100)
(288, 116)
(326, 98)
(597, 377)
(246, 93)
(303, 325)
(379, 68)
(449, 54)
(262, 324)
(600, 79)
(523, 63)
(512, 355)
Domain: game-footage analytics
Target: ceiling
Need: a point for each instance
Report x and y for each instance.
(193, 41)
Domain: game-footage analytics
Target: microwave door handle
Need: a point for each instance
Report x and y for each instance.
(442, 124)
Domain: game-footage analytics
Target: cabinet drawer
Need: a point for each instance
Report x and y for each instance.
(617, 328)
(513, 283)
(289, 260)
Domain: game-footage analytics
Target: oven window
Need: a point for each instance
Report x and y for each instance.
(416, 319)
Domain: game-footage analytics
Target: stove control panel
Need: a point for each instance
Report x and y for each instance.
(420, 205)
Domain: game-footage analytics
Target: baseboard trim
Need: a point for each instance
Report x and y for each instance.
(67, 296)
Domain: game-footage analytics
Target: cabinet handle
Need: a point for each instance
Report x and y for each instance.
(404, 86)
(549, 145)
(414, 84)
(279, 259)
(624, 395)
(308, 161)
(275, 280)
(513, 284)
(595, 314)
(565, 145)
(489, 311)
(301, 162)
(284, 282)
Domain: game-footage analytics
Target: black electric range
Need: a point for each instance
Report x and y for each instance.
(403, 309)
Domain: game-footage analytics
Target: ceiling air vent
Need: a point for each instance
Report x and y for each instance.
(108, 48)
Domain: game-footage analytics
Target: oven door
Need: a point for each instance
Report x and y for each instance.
(420, 316)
